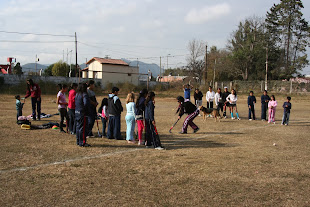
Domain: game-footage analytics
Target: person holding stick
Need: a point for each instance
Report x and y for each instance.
(190, 109)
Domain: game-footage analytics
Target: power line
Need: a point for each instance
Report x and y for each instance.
(25, 33)
(31, 41)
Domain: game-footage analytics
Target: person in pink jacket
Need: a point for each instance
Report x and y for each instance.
(272, 105)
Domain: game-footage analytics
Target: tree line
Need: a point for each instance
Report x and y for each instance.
(280, 39)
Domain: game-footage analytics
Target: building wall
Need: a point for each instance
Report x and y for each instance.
(120, 73)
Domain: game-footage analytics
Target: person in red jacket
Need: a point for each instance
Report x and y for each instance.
(71, 106)
(34, 91)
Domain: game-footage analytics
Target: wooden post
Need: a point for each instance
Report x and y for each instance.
(291, 86)
(231, 85)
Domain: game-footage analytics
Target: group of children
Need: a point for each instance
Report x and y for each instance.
(224, 100)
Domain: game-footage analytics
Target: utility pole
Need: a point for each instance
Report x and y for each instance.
(266, 84)
(67, 55)
(76, 59)
(36, 63)
(160, 68)
(206, 60)
(214, 73)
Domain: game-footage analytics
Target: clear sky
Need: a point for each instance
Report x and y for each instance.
(144, 29)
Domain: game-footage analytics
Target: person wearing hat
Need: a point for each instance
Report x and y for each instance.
(115, 109)
(225, 94)
(190, 109)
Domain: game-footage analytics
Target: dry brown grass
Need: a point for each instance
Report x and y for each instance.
(231, 163)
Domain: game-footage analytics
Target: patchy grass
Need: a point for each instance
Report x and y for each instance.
(230, 163)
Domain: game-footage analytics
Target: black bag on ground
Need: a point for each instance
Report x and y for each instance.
(20, 122)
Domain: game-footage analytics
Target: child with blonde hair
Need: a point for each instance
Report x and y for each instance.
(130, 117)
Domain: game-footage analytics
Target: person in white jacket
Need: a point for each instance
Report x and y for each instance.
(210, 98)
(218, 100)
(232, 99)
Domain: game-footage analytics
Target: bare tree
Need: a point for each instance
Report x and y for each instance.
(195, 60)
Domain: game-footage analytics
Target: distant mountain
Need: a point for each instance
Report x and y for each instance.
(31, 67)
(145, 67)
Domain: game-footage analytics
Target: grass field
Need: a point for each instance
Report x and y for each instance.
(230, 163)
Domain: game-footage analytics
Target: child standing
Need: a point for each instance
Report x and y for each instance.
(198, 97)
(130, 118)
(140, 109)
(218, 100)
(103, 110)
(226, 103)
(71, 107)
(232, 99)
(287, 111)
(19, 106)
(115, 109)
(187, 92)
(151, 135)
(272, 105)
(210, 97)
(264, 100)
(82, 105)
(251, 104)
(62, 106)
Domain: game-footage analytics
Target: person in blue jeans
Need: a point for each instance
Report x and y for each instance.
(251, 104)
(82, 106)
(130, 118)
(287, 111)
(115, 109)
(103, 110)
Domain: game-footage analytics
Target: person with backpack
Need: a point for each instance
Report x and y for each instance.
(115, 109)
(190, 109)
(82, 106)
(34, 91)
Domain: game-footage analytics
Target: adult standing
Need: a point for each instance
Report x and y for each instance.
(210, 98)
(93, 104)
(82, 106)
(264, 100)
(34, 91)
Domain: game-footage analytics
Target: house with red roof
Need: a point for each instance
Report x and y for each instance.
(111, 71)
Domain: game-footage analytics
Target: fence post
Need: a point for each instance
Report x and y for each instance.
(215, 85)
(231, 85)
(261, 86)
(291, 86)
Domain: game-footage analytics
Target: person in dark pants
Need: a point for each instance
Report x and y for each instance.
(191, 110)
(34, 91)
(287, 111)
(71, 107)
(93, 104)
(115, 109)
(219, 102)
(140, 112)
(151, 134)
(62, 107)
(82, 105)
(19, 106)
(103, 110)
(225, 94)
(251, 103)
(264, 100)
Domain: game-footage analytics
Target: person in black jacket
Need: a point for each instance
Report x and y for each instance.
(140, 109)
(264, 100)
(198, 97)
(151, 134)
(188, 108)
(115, 109)
(226, 103)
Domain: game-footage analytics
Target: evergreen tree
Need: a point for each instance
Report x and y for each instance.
(287, 27)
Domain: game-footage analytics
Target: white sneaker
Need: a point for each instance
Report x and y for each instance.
(250, 119)
(239, 119)
(274, 122)
(233, 118)
(159, 148)
(225, 117)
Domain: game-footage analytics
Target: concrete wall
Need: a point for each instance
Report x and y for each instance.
(17, 79)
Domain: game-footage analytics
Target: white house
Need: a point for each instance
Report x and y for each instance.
(111, 71)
